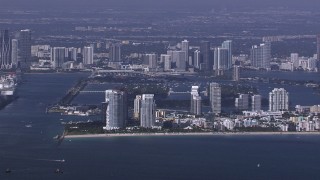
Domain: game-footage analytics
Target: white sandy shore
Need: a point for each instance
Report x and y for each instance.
(189, 134)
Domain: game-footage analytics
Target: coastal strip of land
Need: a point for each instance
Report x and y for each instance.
(187, 134)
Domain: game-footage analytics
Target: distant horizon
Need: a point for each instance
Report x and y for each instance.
(155, 4)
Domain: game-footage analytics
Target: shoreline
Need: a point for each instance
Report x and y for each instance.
(188, 134)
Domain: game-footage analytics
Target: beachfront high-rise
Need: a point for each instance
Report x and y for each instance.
(242, 103)
(57, 56)
(147, 111)
(256, 103)
(116, 109)
(215, 98)
(136, 107)
(278, 100)
(88, 55)
(196, 100)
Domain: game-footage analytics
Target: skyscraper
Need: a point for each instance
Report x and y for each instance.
(228, 45)
(5, 50)
(196, 59)
(242, 103)
(256, 103)
(294, 58)
(166, 59)
(318, 47)
(196, 100)
(72, 54)
(236, 73)
(185, 48)
(57, 56)
(25, 49)
(147, 111)
(205, 56)
(261, 56)
(136, 107)
(115, 52)
(180, 59)
(116, 111)
(151, 60)
(221, 58)
(215, 98)
(278, 100)
(14, 53)
(88, 55)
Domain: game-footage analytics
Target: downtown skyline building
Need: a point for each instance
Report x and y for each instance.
(147, 111)
(228, 45)
(5, 50)
(24, 49)
(196, 59)
(151, 60)
(215, 98)
(116, 109)
(206, 60)
(185, 48)
(221, 58)
(278, 100)
(261, 56)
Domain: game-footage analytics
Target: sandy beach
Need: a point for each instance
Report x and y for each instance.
(189, 134)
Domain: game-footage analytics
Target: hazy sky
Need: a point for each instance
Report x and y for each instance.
(158, 4)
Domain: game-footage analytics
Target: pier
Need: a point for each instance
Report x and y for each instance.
(73, 92)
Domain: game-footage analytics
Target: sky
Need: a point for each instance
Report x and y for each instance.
(157, 4)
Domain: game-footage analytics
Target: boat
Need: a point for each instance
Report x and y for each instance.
(8, 170)
(28, 125)
(58, 171)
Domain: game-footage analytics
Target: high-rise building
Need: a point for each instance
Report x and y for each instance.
(116, 111)
(25, 49)
(5, 50)
(236, 73)
(57, 56)
(318, 47)
(115, 52)
(147, 111)
(221, 58)
(295, 59)
(151, 60)
(88, 55)
(256, 103)
(278, 100)
(180, 59)
(215, 98)
(14, 54)
(197, 59)
(206, 56)
(242, 103)
(196, 100)
(137, 107)
(228, 45)
(72, 54)
(261, 56)
(185, 48)
(166, 59)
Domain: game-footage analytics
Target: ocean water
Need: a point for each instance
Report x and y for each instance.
(31, 153)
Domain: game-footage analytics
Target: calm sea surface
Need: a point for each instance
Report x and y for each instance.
(32, 154)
